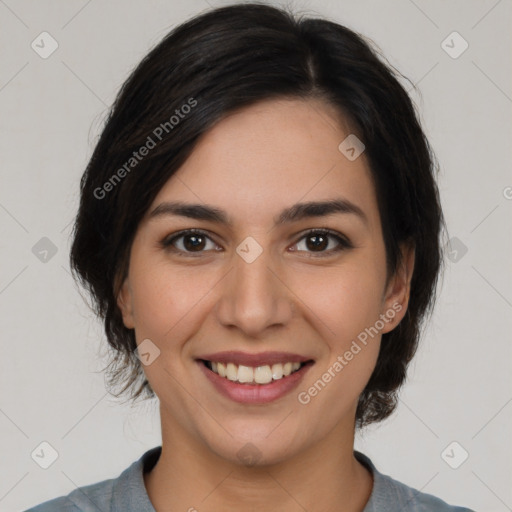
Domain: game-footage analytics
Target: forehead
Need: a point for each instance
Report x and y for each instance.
(270, 155)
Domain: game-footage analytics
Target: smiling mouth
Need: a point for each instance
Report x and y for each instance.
(254, 375)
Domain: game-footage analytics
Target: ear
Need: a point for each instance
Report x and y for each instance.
(396, 297)
(125, 303)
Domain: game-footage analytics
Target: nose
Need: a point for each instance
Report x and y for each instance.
(254, 296)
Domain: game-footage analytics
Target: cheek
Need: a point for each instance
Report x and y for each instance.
(346, 299)
(347, 303)
(347, 306)
(166, 299)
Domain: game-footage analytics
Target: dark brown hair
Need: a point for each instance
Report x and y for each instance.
(216, 63)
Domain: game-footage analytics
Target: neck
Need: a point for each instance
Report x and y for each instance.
(324, 477)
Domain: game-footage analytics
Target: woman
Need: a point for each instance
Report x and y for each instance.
(259, 229)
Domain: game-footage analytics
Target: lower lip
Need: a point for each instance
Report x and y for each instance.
(255, 393)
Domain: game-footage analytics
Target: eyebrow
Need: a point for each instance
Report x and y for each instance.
(294, 213)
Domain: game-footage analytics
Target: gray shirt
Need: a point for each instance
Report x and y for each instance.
(127, 493)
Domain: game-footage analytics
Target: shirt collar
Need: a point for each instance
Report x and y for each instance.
(129, 492)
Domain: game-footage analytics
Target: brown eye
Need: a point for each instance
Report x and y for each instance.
(317, 241)
(190, 241)
(193, 242)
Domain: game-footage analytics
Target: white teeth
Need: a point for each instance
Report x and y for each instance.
(231, 372)
(221, 369)
(263, 374)
(245, 374)
(277, 371)
(249, 375)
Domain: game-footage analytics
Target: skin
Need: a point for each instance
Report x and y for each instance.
(253, 164)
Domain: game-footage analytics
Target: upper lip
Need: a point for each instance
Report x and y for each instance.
(259, 359)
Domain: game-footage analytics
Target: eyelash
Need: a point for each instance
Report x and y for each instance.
(344, 243)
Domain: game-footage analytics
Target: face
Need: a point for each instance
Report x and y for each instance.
(253, 293)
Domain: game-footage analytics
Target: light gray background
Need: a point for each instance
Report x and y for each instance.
(51, 385)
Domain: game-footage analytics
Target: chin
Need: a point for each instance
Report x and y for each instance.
(257, 447)
(251, 454)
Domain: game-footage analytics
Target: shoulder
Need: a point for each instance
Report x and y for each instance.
(91, 498)
(390, 494)
(121, 494)
(412, 500)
